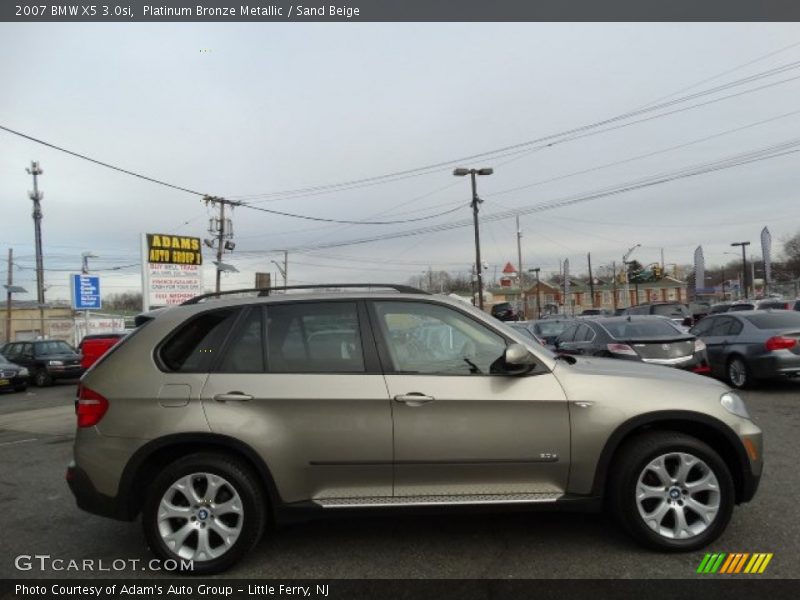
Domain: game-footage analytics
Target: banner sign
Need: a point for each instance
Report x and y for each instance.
(171, 269)
(699, 270)
(766, 253)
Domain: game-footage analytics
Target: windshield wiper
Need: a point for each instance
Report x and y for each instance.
(567, 358)
(473, 368)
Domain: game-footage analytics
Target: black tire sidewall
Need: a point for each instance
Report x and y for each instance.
(638, 455)
(41, 378)
(246, 485)
(747, 376)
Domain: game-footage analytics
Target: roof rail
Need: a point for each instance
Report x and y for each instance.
(405, 289)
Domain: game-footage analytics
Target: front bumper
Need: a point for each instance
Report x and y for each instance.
(12, 383)
(65, 371)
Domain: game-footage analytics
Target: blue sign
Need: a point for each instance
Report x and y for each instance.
(85, 292)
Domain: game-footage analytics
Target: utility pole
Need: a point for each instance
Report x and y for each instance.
(744, 266)
(8, 293)
(285, 268)
(614, 284)
(628, 276)
(473, 173)
(591, 279)
(223, 232)
(37, 196)
(538, 302)
(523, 299)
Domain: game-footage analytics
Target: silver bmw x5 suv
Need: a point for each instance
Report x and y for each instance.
(224, 415)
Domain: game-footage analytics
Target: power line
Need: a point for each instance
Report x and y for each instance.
(774, 151)
(393, 176)
(346, 222)
(99, 162)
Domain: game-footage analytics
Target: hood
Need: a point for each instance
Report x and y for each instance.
(60, 356)
(611, 376)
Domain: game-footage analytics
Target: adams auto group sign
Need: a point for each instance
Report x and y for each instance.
(171, 269)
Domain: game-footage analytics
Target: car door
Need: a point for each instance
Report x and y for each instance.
(582, 344)
(715, 336)
(461, 426)
(300, 383)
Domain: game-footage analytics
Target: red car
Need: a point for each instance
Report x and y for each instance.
(92, 347)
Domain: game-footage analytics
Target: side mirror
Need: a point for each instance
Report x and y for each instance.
(518, 360)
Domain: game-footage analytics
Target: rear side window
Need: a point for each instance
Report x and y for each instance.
(195, 346)
(779, 320)
(309, 337)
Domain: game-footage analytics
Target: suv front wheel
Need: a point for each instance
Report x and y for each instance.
(671, 491)
(205, 508)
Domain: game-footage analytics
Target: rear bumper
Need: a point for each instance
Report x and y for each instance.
(781, 363)
(90, 500)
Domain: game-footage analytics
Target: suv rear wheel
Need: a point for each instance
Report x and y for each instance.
(42, 378)
(671, 491)
(207, 508)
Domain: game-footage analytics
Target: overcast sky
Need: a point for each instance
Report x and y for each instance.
(251, 109)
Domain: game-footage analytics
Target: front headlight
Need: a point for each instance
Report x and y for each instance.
(734, 405)
(55, 363)
(23, 372)
(699, 345)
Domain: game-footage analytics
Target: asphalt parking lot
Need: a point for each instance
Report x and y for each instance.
(41, 518)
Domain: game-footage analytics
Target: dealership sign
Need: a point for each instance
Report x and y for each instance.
(171, 269)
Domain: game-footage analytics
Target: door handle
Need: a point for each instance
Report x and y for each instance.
(233, 397)
(414, 399)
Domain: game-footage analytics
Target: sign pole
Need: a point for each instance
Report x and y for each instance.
(145, 275)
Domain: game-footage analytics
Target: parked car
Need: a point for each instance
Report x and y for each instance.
(12, 376)
(527, 329)
(46, 360)
(699, 309)
(218, 416)
(763, 304)
(549, 329)
(720, 307)
(93, 346)
(505, 311)
(650, 339)
(676, 311)
(746, 346)
(596, 312)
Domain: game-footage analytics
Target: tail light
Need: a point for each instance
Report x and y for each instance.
(90, 407)
(699, 345)
(621, 349)
(779, 342)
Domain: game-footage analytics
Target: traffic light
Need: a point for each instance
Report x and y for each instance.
(657, 272)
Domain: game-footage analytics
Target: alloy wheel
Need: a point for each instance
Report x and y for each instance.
(200, 516)
(737, 372)
(678, 495)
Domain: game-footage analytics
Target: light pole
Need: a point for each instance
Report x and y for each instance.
(625, 258)
(475, 202)
(538, 303)
(744, 265)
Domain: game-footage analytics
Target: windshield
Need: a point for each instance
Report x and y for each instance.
(54, 347)
(779, 320)
(4, 361)
(550, 328)
(626, 330)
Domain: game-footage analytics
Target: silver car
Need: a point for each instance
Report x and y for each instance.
(220, 416)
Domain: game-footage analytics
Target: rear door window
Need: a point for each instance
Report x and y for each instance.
(314, 337)
(195, 346)
(244, 352)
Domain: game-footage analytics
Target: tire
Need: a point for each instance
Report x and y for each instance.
(41, 378)
(242, 522)
(737, 373)
(636, 468)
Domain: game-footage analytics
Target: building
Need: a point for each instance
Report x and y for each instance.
(59, 320)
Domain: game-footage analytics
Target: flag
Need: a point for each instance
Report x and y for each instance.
(766, 253)
(699, 271)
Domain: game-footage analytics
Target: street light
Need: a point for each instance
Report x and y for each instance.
(744, 265)
(475, 201)
(538, 303)
(85, 256)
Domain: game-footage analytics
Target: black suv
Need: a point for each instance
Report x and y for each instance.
(46, 360)
(505, 311)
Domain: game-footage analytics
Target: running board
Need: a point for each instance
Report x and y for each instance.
(388, 501)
